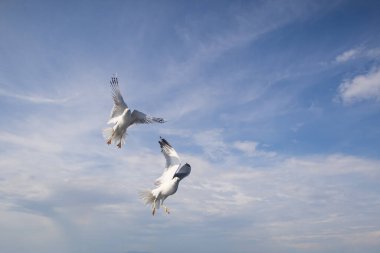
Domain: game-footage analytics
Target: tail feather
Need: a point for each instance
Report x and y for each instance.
(148, 198)
(107, 133)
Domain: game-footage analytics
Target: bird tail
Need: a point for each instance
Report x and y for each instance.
(107, 133)
(148, 198)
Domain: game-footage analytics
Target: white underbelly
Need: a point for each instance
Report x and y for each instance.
(169, 189)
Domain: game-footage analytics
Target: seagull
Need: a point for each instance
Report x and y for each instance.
(122, 117)
(167, 183)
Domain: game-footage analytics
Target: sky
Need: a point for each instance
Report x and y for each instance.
(275, 104)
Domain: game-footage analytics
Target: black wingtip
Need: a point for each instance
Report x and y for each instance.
(159, 120)
(114, 80)
(163, 142)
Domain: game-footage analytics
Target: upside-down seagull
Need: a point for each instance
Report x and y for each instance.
(167, 183)
(123, 118)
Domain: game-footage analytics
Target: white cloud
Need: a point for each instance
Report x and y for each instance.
(71, 196)
(336, 164)
(361, 87)
(358, 53)
(212, 143)
(348, 55)
(34, 99)
(249, 148)
(35, 141)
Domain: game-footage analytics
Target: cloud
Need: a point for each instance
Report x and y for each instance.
(356, 53)
(205, 48)
(35, 141)
(361, 87)
(228, 198)
(373, 53)
(335, 164)
(35, 99)
(348, 55)
(320, 206)
(212, 143)
(250, 149)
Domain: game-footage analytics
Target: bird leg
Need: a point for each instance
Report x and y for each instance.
(110, 139)
(166, 209)
(154, 207)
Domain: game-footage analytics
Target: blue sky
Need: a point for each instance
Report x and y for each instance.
(275, 104)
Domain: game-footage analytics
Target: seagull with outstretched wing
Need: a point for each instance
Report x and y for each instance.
(167, 183)
(122, 117)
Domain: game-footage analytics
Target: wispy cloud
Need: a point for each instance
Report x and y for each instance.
(250, 148)
(245, 28)
(212, 143)
(373, 53)
(348, 55)
(357, 53)
(361, 87)
(35, 141)
(34, 99)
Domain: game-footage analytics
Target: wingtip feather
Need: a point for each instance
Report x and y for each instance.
(164, 142)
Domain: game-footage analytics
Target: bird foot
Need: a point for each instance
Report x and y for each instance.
(167, 210)
(109, 141)
(154, 211)
(119, 145)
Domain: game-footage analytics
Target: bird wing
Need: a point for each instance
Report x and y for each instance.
(141, 118)
(183, 171)
(119, 104)
(172, 161)
(167, 175)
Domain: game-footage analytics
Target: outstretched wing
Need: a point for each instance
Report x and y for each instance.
(170, 154)
(172, 161)
(141, 118)
(119, 104)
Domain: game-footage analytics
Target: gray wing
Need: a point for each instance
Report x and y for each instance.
(183, 171)
(119, 104)
(141, 118)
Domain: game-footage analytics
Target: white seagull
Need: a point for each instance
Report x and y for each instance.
(122, 117)
(167, 183)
